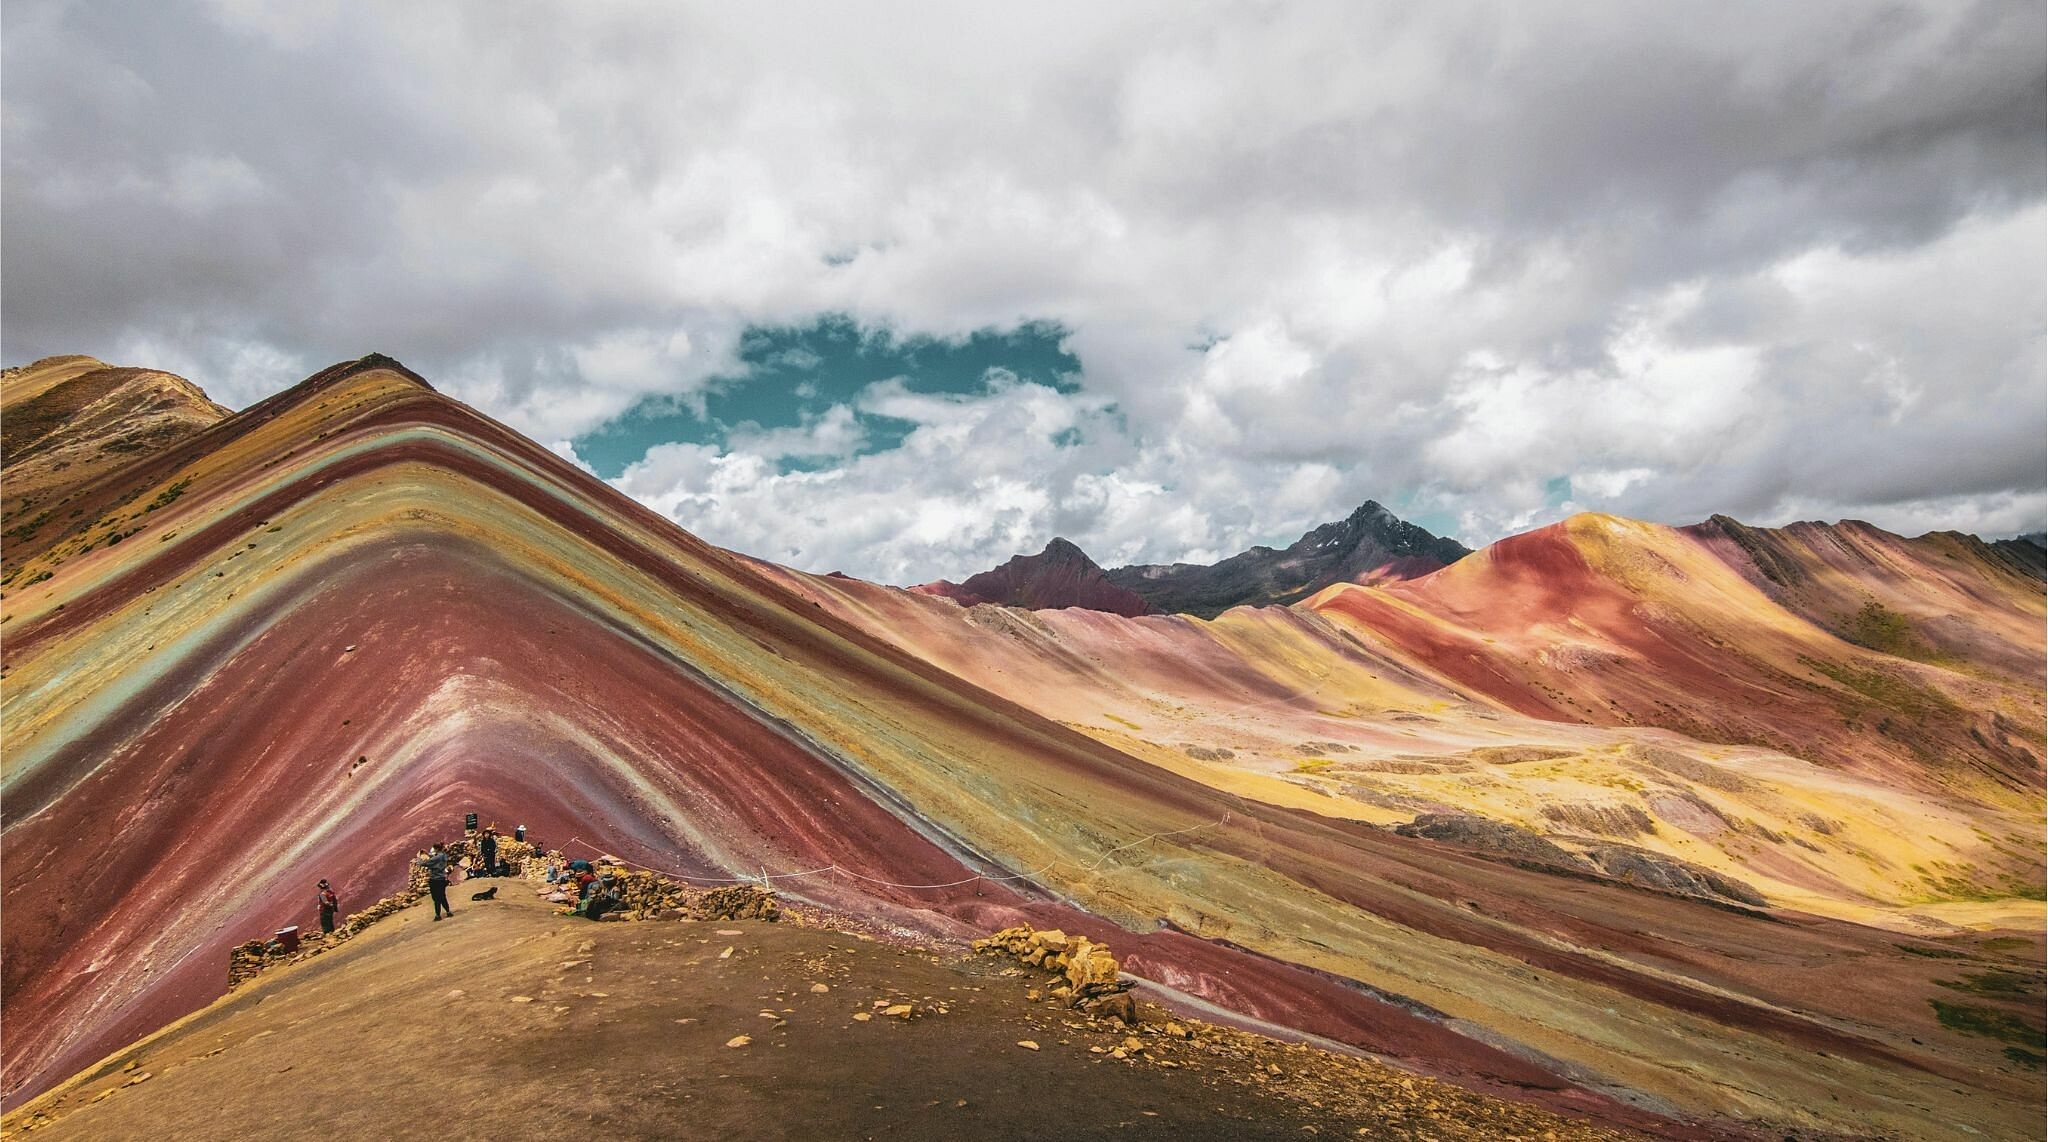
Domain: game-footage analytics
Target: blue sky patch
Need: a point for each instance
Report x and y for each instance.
(791, 377)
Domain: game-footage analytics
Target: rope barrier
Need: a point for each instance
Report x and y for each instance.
(766, 876)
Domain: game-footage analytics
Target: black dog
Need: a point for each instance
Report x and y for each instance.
(490, 893)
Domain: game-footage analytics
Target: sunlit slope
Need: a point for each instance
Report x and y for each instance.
(359, 609)
(67, 421)
(1290, 707)
(1943, 598)
(1615, 622)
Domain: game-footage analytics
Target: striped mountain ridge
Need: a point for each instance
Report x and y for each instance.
(333, 622)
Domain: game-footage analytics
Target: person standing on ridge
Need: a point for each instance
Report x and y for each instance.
(436, 864)
(329, 905)
(488, 845)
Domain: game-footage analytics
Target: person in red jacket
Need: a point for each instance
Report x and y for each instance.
(329, 905)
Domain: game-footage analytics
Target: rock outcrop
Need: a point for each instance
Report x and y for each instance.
(1483, 834)
(1626, 863)
(1669, 874)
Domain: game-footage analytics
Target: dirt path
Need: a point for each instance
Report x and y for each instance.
(508, 1020)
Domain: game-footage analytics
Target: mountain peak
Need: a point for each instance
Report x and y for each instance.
(1060, 576)
(1368, 510)
(1064, 551)
(1370, 545)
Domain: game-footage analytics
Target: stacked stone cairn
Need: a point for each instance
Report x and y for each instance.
(1090, 971)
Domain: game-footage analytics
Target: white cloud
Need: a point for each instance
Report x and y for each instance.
(1766, 264)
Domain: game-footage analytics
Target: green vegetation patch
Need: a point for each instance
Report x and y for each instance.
(169, 495)
(1887, 690)
(2009, 984)
(2024, 1057)
(1988, 1022)
(1881, 628)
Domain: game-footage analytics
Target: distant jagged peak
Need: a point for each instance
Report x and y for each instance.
(1374, 521)
(1060, 576)
(1371, 545)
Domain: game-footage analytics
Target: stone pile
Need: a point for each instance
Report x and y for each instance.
(645, 895)
(1091, 972)
(736, 902)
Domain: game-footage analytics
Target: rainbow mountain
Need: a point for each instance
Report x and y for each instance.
(1695, 831)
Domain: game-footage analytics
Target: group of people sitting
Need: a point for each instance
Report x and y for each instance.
(596, 893)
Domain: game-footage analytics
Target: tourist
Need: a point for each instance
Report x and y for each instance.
(489, 846)
(329, 905)
(436, 864)
(603, 898)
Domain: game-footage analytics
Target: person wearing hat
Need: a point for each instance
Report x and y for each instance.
(487, 846)
(329, 905)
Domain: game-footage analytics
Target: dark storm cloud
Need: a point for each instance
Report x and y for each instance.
(1770, 259)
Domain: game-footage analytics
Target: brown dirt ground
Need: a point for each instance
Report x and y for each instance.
(508, 1020)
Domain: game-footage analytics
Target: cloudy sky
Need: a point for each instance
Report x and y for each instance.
(905, 290)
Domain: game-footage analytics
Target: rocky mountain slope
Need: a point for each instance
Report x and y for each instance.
(1370, 545)
(339, 619)
(1060, 576)
(1941, 597)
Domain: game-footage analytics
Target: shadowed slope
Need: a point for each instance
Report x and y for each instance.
(362, 569)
